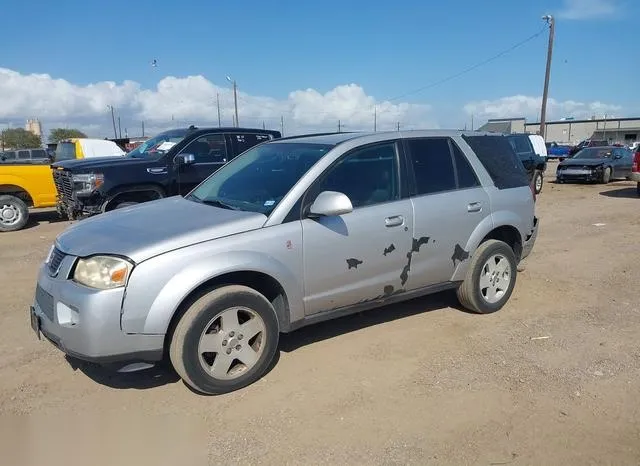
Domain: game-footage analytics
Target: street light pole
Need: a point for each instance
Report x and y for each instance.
(543, 112)
(235, 98)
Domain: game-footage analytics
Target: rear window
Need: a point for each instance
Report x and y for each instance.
(65, 151)
(498, 158)
(6, 156)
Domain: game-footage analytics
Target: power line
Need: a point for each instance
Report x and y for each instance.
(471, 68)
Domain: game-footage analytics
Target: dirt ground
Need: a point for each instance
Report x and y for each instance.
(553, 378)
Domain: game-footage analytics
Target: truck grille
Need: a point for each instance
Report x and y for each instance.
(64, 183)
(55, 260)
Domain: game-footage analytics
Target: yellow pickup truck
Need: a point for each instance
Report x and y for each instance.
(23, 186)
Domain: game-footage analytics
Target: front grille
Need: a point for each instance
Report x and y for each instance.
(55, 260)
(64, 183)
(45, 302)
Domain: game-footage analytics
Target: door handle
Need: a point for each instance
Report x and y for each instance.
(474, 207)
(394, 221)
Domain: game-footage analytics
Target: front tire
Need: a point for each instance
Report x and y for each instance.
(225, 340)
(14, 213)
(606, 175)
(490, 278)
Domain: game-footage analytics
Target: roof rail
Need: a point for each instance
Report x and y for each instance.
(298, 136)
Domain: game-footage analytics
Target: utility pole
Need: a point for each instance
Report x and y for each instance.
(282, 125)
(339, 126)
(263, 127)
(113, 120)
(119, 127)
(543, 112)
(472, 122)
(218, 102)
(604, 128)
(375, 118)
(143, 129)
(398, 126)
(235, 98)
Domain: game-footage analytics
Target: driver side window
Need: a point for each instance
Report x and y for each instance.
(368, 176)
(210, 148)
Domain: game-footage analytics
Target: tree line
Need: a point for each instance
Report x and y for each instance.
(18, 138)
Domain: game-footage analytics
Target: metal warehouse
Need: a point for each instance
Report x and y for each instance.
(570, 131)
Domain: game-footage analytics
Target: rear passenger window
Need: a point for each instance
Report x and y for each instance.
(498, 158)
(466, 176)
(245, 141)
(432, 165)
(24, 155)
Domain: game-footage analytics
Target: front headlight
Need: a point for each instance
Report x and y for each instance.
(102, 272)
(87, 182)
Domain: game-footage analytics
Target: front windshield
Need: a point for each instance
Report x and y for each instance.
(257, 180)
(159, 144)
(593, 153)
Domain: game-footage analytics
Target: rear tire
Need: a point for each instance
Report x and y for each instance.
(225, 340)
(638, 189)
(490, 278)
(14, 213)
(538, 181)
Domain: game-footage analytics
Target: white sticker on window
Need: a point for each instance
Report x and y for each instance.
(269, 203)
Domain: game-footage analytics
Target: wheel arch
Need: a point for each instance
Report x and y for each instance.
(17, 191)
(503, 230)
(146, 192)
(261, 282)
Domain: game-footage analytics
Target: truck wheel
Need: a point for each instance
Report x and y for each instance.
(537, 181)
(225, 340)
(122, 205)
(638, 189)
(14, 213)
(606, 175)
(490, 278)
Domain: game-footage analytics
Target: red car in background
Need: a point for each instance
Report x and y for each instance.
(635, 169)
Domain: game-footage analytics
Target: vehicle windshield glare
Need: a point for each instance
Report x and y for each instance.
(593, 153)
(159, 144)
(258, 180)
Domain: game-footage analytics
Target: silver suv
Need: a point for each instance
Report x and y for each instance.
(292, 232)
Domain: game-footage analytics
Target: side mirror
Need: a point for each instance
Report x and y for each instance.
(330, 204)
(185, 159)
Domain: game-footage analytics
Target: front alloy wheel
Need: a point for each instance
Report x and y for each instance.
(225, 340)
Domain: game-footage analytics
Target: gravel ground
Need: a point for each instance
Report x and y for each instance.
(553, 378)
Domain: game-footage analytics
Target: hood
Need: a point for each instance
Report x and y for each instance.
(582, 162)
(96, 163)
(146, 230)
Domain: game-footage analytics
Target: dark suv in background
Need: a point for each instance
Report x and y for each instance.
(532, 162)
(171, 163)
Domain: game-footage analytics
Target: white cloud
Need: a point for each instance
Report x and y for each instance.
(192, 99)
(588, 9)
(529, 107)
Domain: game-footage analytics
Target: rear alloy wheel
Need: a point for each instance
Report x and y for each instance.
(606, 175)
(490, 279)
(225, 340)
(14, 213)
(537, 181)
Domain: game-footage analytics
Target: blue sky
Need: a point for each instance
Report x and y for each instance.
(273, 48)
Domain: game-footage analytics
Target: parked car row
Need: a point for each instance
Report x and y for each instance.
(597, 164)
(291, 232)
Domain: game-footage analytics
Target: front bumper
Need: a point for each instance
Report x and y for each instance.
(85, 323)
(585, 175)
(530, 240)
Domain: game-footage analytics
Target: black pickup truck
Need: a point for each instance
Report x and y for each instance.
(534, 164)
(171, 163)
